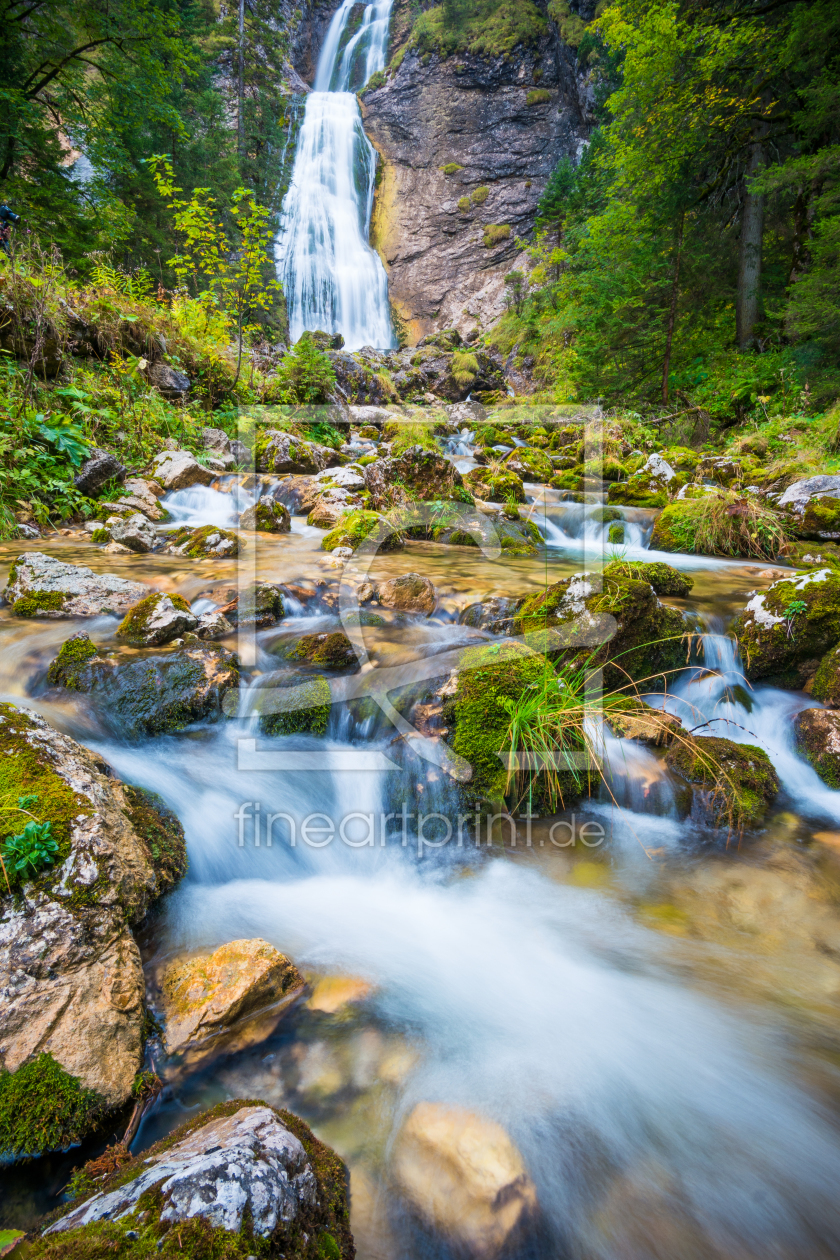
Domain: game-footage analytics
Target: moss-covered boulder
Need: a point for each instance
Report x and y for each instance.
(207, 540)
(239, 1180)
(260, 605)
(617, 623)
(825, 685)
(631, 718)
(156, 694)
(43, 586)
(299, 709)
(478, 721)
(358, 527)
(495, 482)
(785, 631)
(652, 486)
(266, 515)
(418, 475)
(156, 620)
(817, 735)
(812, 507)
(718, 522)
(279, 452)
(808, 555)
(683, 458)
(71, 1035)
(530, 464)
(662, 577)
(330, 650)
(733, 785)
(514, 537)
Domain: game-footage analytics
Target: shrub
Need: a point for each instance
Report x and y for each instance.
(495, 233)
(723, 524)
(464, 204)
(538, 96)
(478, 196)
(306, 374)
(464, 368)
(451, 168)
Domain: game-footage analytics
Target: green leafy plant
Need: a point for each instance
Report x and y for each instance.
(794, 609)
(32, 850)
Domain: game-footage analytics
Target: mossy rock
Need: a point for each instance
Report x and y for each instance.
(498, 484)
(514, 537)
(487, 675)
(568, 479)
(615, 534)
(155, 620)
(207, 540)
(44, 1108)
(820, 519)
(319, 1232)
(605, 515)
(737, 781)
(785, 631)
(817, 735)
(683, 458)
(663, 579)
(161, 832)
(268, 516)
(307, 712)
(70, 668)
(809, 555)
(354, 528)
(674, 528)
(826, 683)
(638, 491)
(26, 771)
(530, 464)
(261, 604)
(332, 651)
(622, 626)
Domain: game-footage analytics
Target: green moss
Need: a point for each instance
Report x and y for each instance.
(26, 771)
(39, 602)
(161, 832)
(615, 534)
(664, 579)
(479, 195)
(464, 368)
(101, 536)
(260, 604)
(495, 233)
(133, 627)
(308, 712)
(497, 483)
(531, 464)
(68, 668)
(487, 29)
(355, 527)
(326, 651)
(376, 80)
(44, 1108)
(403, 436)
(451, 168)
(821, 518)
(638, 491)
(738, 780)
(538, 96)
(464, 205)
(480, 723)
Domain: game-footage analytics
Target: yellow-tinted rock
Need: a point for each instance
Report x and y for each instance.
(331, 993)
(464, 1176)
(205, 995)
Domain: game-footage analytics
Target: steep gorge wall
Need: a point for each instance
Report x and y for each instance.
(471, 111)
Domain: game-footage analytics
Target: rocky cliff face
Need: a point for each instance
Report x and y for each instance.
(310, 21)
(449, 239)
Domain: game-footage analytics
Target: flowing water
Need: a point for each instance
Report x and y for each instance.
(331, 276)
(651, 1016)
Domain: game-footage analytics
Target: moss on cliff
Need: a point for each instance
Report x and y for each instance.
(161, 832)
(487, 28)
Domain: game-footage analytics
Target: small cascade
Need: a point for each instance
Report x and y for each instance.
(205, 505)
(331, 276)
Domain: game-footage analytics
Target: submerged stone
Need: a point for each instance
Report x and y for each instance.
(409, 593)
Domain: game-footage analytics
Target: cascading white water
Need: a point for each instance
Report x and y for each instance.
(331, 276)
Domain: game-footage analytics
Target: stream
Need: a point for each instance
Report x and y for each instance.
(651, 1016)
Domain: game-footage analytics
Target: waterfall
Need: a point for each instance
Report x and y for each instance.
(331, 277)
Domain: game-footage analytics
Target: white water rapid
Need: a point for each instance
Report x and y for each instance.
(331, 276)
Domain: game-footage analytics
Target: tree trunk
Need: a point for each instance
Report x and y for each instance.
(241, 108)
(803, 229)
(672, 313)
(752, 232)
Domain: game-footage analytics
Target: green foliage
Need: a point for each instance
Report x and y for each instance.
(43, 1108)
(538, 96)
(484, 27)
(479, 195)
(31, 851)
(721, 524)
(451, 168)
(306, 374)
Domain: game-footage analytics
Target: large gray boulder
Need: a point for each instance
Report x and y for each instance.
(247, 1163)
(812, 507)
(279, 452)
(43, 586)
(142, 496)
(99, 467)
(169, 382)
(135, 532)
(178, 470)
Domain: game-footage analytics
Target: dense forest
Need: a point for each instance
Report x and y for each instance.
(687, 262)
